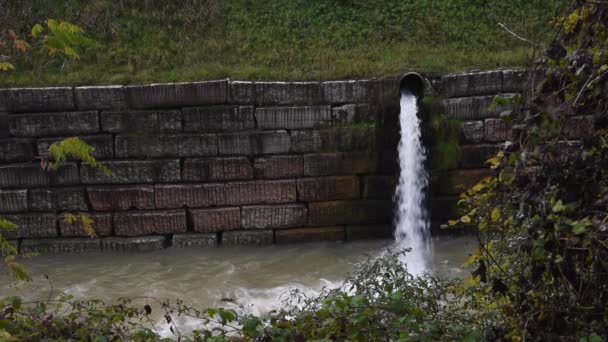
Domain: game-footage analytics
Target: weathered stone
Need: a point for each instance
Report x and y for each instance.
(4, 126)
(177, 94)
(496, 130)
(579, 127)
(49, 124)
(13, 201)
(328, 188)
(480, 83)
(32, 175)
(171, 145)
(38, 99)
(475, 107)
(121, 197)
(339, 164)
(274, 216)
(336, 92)
(194, 240)
(138, 223)
(472, 131)
(260, 192)
(242, 92)
(444, 208)
(310, 234)
(217, 169)
(351, 114)
(247, 237)
(293, 117)
(133, 171)
(39, 225)
(369, 232)
(457, 181)
(275, 142)
(49, 246)
(344, 139)
(379, 187)
(218, 119)
(306, 141)
(136, 244)
(350, 212)
(102, 225)
(137, 122)
(16, 150)
(103, 145)
(475, 156)
(287, 93)
(57, 199)
(100, 97)
(513, 81)
(215, 220)
(189, 195)
(277, 167)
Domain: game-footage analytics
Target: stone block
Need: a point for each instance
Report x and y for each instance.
(50, 124)
(514, 81)
(369, 232)
(479, 83)
(444, 208)
(379, 187)
(457, 181)
(103, 145)
(216, 169)
(327, 164)
(293, 117)
(472, 131)
(350, 212)
(475, 107)
(247, 237)
(328, 188)
(260, 192)
(38, 99)
(53, 199)
(106, 198)
(337, 92)
(134, 244)
(100, 97)
(310, 234)
(274, 216)
(32, 175)
(4, 126)
(138, 223)
(496, 130)
(141, 121)
(16, 150)
(475, 156)
(102, 225)
(579, 127)
(167, 95)
(344, 139)
(277, 167)
(218, 119)
(194, 240)
(166, 145)
(13, 201)
(189, 195)
(133, 171)
(242, 92)
(306, 141)
(275, 142)
(215, 220)
(61, 245)
(287, 93)
(31, 225)
(351, 113)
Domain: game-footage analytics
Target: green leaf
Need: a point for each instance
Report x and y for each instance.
(558, 207)
(496, 214)
(37, 30)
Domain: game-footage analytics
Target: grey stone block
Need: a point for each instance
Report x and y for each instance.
(242, 92)
(275, 142)
(61, 245)
(329, 164)
(218, 119)
(217, 169)
(194, 240)
(49, 124)
(260, 192)
(472, 131)
(105, 198)
(215, 220)
(32, 175)
(306, 141)
(38, 99)
(4, 127)
(337, 92)
(288, 93)
(135, 244)
(132, 172)
(189, 195)
(31, 225)
(100, 97)
(480, 83)
(13, 201)
(139, 223)
(247, 237)
(351, 114)
(102, 225)
(277, 167)
(369, 232)
(57, 199)
(274, 216)
(293, 117)
(140, 121)
(475, 107)
(16, 150)
(379, 187)
(350, 212)
(496, 130)
(177, 94)
(166, 145)
(309, 234)
(514, 81)
(103, 145)
(328, 188)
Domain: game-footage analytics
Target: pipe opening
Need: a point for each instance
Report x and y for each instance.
(412, 83)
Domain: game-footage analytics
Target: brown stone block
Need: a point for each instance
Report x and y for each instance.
(189, 195)
(102, 143)
(369, 232)
(32, 175)
(215, 220)
(50, 124)
(274, 216)
(217, 169)
(39, 225)
(133, 171)
(260, 192)
(57, 199)
(328, 188)
(277, 167)
(13, 201)
(16, 150)
(310, 234)
(247, 237)
(350, 212)
(170, 145)
(102, 224)
(105, 198)
(379, 187)
(141, 121)
(138, 223)
(339, 164)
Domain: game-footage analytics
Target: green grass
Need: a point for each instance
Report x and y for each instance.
(160, 41)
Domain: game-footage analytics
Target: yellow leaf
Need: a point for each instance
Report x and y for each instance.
(465, 219)
(496, 214)
(21, 45)
(452, 222)
(6, 66)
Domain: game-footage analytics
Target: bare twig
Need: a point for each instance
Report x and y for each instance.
(504, 27)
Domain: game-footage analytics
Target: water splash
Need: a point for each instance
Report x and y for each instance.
(411, 220)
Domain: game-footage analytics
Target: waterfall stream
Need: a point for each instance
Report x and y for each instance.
(411, 220)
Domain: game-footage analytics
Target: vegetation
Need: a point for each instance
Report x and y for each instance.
(166, 40)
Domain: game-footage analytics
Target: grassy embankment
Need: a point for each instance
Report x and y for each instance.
(160, 41)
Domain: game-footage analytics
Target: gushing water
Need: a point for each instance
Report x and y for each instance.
(411, 221)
